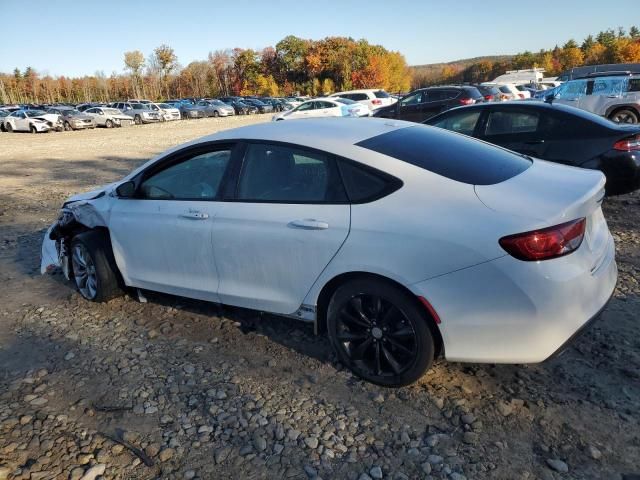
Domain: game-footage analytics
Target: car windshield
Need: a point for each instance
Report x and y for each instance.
(164, 105)
(505, 89)
(346, 101)
(138, 106)
(111, 111)
(70, 111)
(217, 102)
(35, 113)
(381, 94)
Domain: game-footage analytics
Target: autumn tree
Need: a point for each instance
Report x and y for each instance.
(134, 62)
(167, 61)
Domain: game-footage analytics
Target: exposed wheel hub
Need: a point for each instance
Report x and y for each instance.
(376, 333)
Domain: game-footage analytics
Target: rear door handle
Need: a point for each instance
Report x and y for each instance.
(534, 142)
(193, 215)
(309, 224)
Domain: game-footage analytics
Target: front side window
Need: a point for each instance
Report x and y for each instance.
(505, 123)
(197, 178)
(461, 122)
(305, 106)
(274, 173)
(572, 89)
(412, 99)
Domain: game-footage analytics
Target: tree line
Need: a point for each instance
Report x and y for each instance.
(608, 46)
(294, 66)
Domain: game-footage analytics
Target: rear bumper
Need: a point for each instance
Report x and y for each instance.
(509, 311)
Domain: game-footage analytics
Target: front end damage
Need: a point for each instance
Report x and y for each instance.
(76, 217)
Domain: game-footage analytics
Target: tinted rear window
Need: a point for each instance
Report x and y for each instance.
(473, 92)
(448, 154)
(381, 94)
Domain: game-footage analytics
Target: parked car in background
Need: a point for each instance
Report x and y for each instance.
(325, 107)
(371, 97)
(108, 117)
(427, 102)
(84, 106)
(556, 133)
(169, 113)
(616, 97)
(242, 108)
(220, 109)
(72, 118)
(510, 90)
(526, 90)
(386, 275)
(3, 114)
(34, 121)
(580, 72)
(189, 110)
(277, 104)
(140, 112)
(260, 105)
(491, 93)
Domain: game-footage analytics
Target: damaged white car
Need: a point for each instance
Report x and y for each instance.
(402, 242)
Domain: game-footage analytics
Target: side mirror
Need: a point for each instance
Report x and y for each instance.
(126, 190)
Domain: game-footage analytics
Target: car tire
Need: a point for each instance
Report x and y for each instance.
(67, 127)
(33, 129)
(380, 332)
(108, 124)
(94, 269)
(9, 128)
(216, 114)
(137, 120)
(624, 115)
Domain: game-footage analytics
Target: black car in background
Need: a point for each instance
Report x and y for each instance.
(557, 133)
(259, 104)
(424, 103)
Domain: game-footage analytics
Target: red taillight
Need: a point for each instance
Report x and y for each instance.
(466, 101)
(488, 98)
(631, 144)
(376, 101)
(521, 95)
(546, 243)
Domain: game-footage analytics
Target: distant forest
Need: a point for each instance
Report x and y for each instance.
(608, 46)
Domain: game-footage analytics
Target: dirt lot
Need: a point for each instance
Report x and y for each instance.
(209, 392)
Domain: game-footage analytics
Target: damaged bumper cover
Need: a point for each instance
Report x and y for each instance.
(76, 215)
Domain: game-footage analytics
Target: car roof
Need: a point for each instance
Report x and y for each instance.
(534, 105)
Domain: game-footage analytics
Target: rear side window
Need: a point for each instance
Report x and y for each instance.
(504, 123)
(364, 184)
(359, 96)
(461, 122)
(450, 155)
(381, 94)
(634, 85)
(275, 173)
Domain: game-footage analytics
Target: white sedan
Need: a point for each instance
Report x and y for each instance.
(325, 107)
(34, 121)
(401, 242)
(108, 117)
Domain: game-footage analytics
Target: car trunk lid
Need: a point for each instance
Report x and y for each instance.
(548, 194)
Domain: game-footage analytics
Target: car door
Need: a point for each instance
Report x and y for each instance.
(162, 236)
(518, 129)
(288, 218)
(21, 122)
(410, 107)
(302, 111)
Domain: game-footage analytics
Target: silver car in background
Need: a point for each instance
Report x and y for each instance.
(109, 117)
(169, 112)
(613, 96)
(72, 118)
(140, 112)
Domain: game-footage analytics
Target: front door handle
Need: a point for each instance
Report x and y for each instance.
(193, 215)
(534, 142)
(309, 224)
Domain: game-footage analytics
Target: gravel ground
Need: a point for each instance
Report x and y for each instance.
(181, 389)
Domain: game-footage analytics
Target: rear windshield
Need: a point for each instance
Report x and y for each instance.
(381, 94)
(449, 154)
(473, 92)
